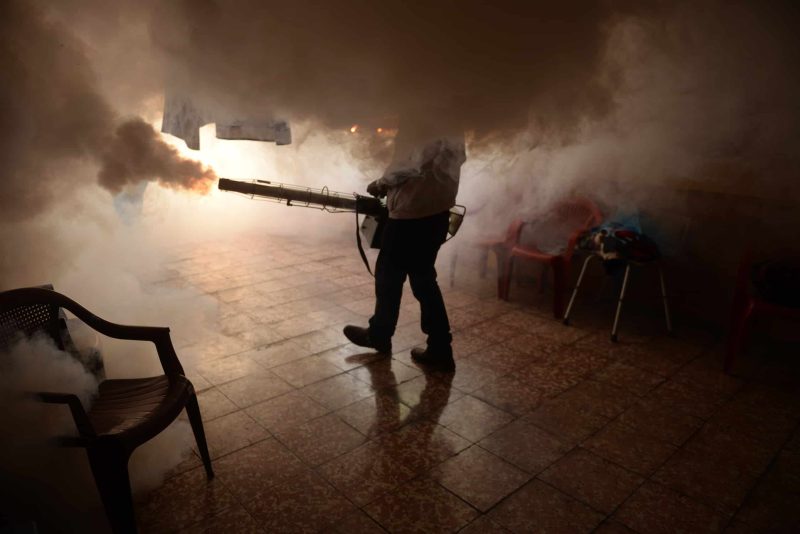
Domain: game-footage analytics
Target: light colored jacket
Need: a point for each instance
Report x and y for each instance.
(423, 180)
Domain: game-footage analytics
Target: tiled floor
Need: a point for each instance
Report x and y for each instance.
(543, 427)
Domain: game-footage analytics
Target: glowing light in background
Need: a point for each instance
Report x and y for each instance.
(320, 159)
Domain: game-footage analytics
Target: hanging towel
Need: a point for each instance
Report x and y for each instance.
(183, 119)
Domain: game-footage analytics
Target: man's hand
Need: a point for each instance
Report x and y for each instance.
(377, 189)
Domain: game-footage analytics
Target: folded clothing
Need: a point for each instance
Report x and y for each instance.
(617, 245)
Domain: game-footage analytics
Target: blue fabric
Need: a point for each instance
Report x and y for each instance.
(630, 220)
(620, 242)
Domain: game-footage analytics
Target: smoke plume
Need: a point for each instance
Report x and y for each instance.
(135, 152)
(33, 470)
(653, 92)
(687, 106)
(54, 115)
(484, 66)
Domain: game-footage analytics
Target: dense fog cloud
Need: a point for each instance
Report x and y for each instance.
(54, 114)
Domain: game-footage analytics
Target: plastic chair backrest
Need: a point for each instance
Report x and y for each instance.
(29, 320)
(559, 228)
(513, 232)
(582, 211)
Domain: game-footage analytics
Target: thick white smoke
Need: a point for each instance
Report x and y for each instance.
(629, 104)
(48, 483)
(33, 470)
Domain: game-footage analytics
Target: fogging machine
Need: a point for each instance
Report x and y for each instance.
(374, 211)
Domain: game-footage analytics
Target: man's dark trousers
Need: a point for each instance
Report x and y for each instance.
(409, 248)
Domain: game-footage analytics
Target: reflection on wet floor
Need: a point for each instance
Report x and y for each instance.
(543, 427)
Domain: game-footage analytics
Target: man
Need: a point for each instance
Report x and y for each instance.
(421, 186)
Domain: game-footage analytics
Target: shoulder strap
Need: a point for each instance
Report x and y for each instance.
(361, 246)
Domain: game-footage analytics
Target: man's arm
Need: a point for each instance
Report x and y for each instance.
(379, 188)
(440, 160)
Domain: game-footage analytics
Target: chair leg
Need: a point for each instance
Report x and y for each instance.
(485, 263)
(739, 335)
(664, 298)
(500, 280)
(559, 287)
(577, 287)
(619, 303)
(193, 410)
(110, 470)
(500, 261)
(504, 279)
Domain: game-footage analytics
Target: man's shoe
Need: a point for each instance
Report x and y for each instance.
(360, 336)
(435, 359)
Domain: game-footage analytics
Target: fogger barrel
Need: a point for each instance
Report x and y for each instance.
(323, 199)
(305, 196)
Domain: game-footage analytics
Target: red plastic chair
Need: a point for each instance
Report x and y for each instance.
(571, 217)
(746, 307)
(501, 248)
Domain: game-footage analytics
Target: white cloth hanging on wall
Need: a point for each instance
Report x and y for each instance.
(183, 119)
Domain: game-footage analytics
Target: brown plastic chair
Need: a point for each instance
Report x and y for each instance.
(572, 217)
(126, 412)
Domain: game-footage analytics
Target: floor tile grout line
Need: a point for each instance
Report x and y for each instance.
(763, 474)
(649, 478)
(682, 446)
(645, 479)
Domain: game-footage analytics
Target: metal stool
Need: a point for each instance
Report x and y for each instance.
(621, 299)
